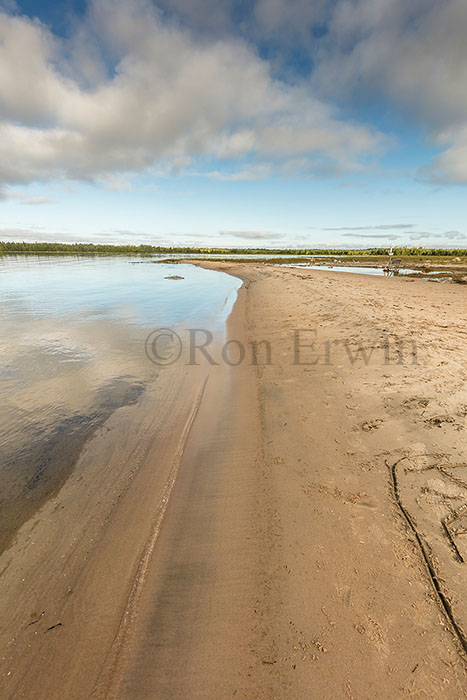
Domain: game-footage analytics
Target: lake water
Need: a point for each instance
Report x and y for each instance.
(124, 289)
(285, 260)
(342, 268)
(72, 350)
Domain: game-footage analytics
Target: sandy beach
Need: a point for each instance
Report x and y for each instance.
(291, 527)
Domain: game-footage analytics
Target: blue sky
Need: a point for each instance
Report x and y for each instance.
(268, 123)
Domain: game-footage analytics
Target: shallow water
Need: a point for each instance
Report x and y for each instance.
(118, 288)
(265, 257)
(72, 351)
(342, 268)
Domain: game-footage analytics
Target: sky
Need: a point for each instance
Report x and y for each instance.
(259, 123)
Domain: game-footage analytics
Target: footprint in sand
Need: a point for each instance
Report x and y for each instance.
(371, 425)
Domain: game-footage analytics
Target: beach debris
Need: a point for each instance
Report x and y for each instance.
(371, 425)
(36, 618)
(437, 421)
(59, 624)
(174, 277)
(444, 600)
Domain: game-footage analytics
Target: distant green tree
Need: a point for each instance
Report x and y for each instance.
(16, 247)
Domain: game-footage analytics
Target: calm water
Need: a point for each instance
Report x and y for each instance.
(119, 288)
(343, 268)
(265, 257)
(72, 350)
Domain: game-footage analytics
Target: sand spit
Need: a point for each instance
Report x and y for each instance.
(286, 528)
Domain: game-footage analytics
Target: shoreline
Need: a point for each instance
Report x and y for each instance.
(398, 410)
(72, 582)
(281, 566)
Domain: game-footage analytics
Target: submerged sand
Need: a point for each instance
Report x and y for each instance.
(292, 527)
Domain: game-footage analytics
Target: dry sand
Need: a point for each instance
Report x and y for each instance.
(264, 531)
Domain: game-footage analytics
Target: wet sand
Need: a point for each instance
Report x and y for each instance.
(282, 530)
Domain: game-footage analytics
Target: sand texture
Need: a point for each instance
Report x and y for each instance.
(291, 528)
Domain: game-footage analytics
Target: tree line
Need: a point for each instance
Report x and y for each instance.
(8, 247)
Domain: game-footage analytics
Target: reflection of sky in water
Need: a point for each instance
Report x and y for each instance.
(72, 351)
(113, 288)
(73, 326)
(342, 268)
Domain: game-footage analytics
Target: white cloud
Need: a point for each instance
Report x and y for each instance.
(414, 55)
(36, 201)
(289, 21)
(114, 237)
(450, 167)
(416, 236)
(380, 227)
(388, 237)
(279, 22)
(30, 234)
(137, 89)
(455, 235)
(169, 99)
(116, 183)
(420, 236)
(23, 198)
(253, 235)
(9, 5)
(255, 172)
